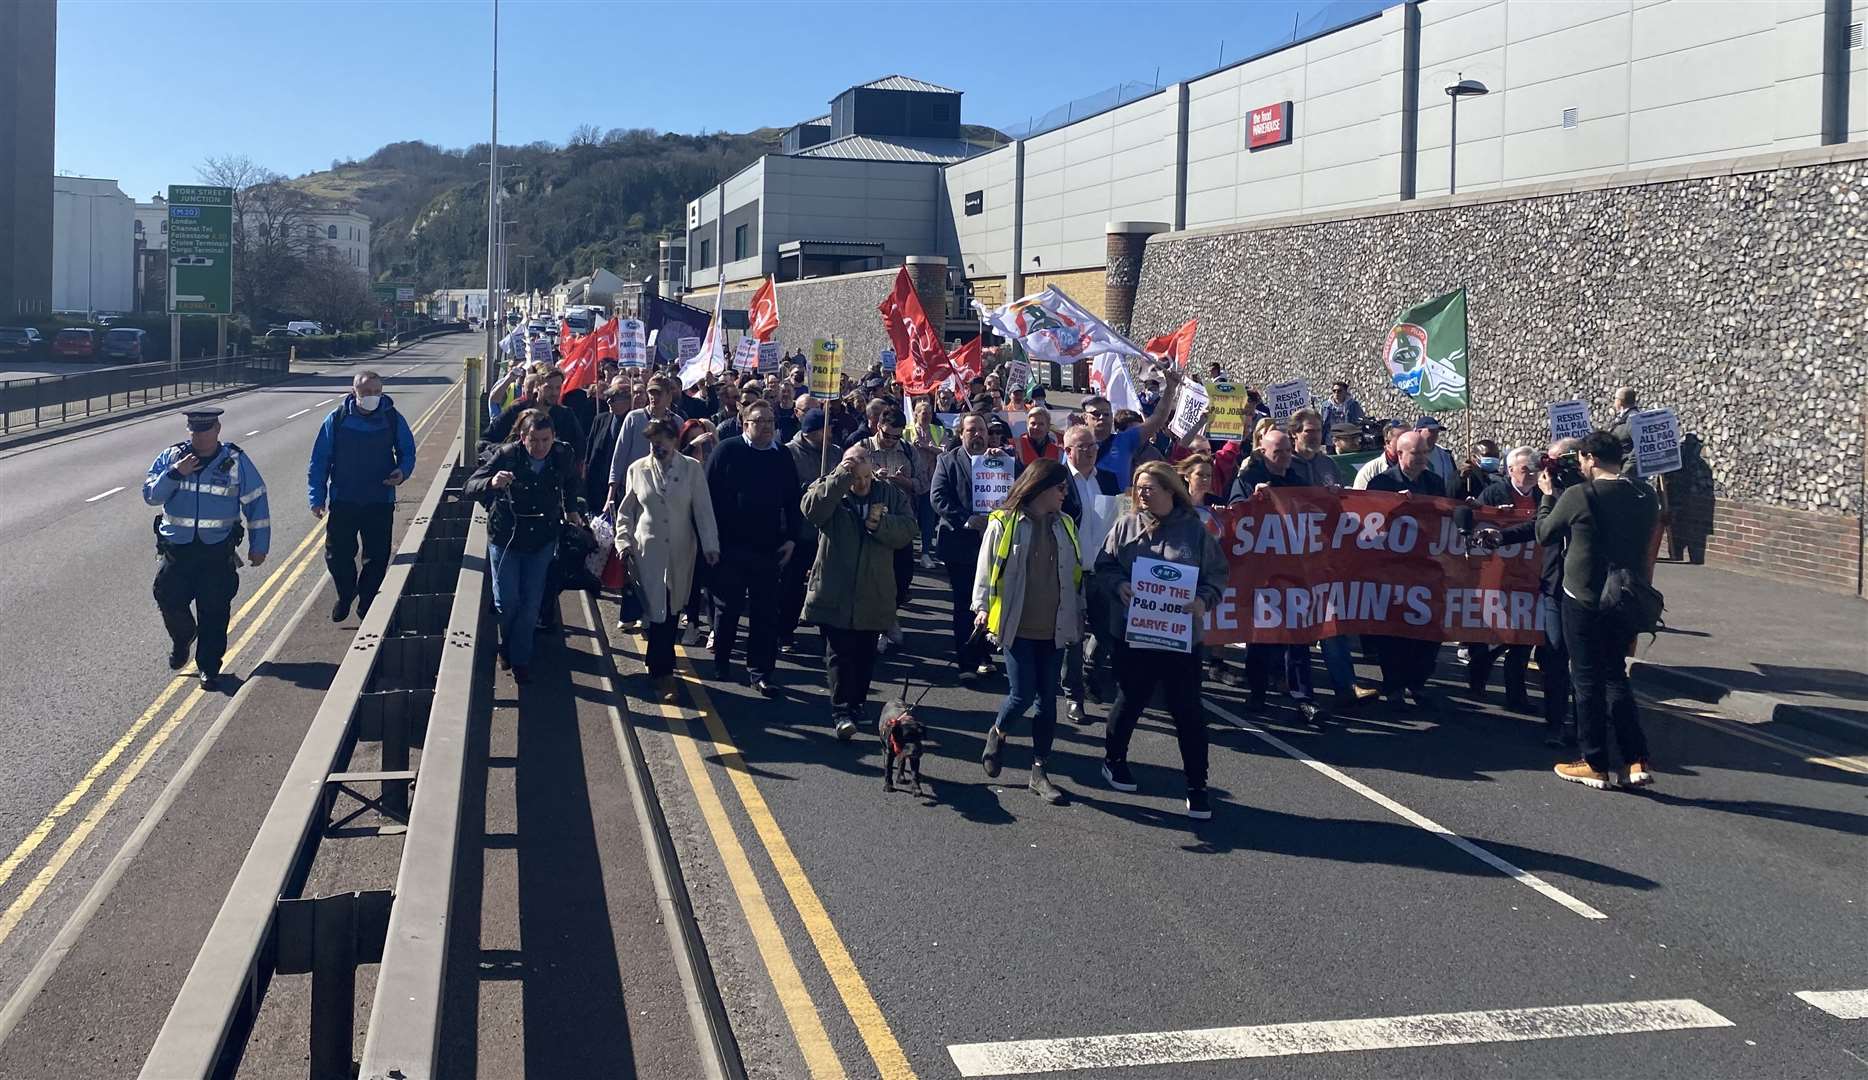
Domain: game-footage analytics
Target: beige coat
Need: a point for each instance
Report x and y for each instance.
(666, 514)
(1012, 579)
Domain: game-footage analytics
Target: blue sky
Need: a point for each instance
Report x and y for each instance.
(147, 88)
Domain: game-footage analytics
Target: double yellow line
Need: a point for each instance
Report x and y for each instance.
(794, 997)
(285, 576)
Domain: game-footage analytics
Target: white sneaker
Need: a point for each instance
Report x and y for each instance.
(985, 668)
(927, 562)
(1076, 712)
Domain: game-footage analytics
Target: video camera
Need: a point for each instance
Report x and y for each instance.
(1564, 470)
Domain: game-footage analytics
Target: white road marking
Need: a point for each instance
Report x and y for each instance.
(104, 494)
(250, 434)
(1523, 877)
(1028, 1056)
(298, 414)
(323, 403)
(1841, 1004)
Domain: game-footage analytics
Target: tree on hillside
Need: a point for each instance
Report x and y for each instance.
(271, 234)
(585, 135)
(331, 291)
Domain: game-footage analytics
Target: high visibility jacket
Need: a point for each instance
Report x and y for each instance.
(204, 506)
(999, 583)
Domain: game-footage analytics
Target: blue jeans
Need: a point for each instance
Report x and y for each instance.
(1337, 662)
(1031, 667)
(518, 593)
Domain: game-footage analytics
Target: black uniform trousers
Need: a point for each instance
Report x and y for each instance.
(347, 527)
(959, 549)
(194, 590)
(747, 581)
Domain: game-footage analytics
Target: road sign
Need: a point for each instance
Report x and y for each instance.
(200, 250)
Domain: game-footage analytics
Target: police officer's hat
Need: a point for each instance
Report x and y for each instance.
(202, 419)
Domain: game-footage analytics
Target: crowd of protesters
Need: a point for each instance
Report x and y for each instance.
(745, 509)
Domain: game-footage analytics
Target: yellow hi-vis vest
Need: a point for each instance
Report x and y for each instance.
(995, 580)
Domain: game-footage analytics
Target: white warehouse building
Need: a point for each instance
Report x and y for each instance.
(1356, 116)
(93, 246)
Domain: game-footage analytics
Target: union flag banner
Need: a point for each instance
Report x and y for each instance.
(918, 349)
(1310, 563)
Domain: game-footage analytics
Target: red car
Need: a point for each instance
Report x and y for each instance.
(75, 343)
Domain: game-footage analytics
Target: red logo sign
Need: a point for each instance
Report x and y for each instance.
(1269, 125)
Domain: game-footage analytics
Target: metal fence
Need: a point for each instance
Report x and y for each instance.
(51, 399)
(407, 683)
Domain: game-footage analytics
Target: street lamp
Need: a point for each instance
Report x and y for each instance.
(1463, 87)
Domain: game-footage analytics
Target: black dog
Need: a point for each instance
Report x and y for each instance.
(901, 735)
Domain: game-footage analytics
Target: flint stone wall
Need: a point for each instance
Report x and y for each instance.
(1731, 291)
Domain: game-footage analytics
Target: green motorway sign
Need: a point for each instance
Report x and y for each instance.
(200, 250)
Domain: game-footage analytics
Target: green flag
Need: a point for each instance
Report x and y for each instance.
(1426, 353)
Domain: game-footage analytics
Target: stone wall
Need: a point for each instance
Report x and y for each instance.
(1732, 291)
(844, 306)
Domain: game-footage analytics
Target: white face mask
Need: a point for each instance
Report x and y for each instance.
(369, 402)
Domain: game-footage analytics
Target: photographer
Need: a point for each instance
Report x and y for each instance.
(1605, 521)
(1553, 657)
(1516, 490)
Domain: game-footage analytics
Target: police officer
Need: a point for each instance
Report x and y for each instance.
(203, 486)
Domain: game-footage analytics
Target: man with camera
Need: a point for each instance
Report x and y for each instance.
(1518, 490)
(1604, 524)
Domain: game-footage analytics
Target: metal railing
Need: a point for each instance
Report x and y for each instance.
(50, 399)
(407, 681)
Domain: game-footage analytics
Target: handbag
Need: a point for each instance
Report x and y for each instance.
(1626, 599)
(575, 545)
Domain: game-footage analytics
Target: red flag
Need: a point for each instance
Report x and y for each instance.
(966, 363)
(762, 312)
(605, 340)
(920, 359)
(580, 361)
(1177, 346)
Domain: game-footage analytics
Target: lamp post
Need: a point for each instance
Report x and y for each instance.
(1462, 87)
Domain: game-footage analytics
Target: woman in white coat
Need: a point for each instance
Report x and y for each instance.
(665, 515)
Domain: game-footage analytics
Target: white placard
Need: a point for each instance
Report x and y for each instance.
(768, 357)
(1656, 441)
(1569, 420)
(1161, 596)
(1189, 409)
(888, 361)
(746, 355)
(687, 348)
(992, 480)
(1288, 397)
(632, 349)
(1017, 373)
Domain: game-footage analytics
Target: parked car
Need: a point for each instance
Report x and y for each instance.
(308, 329)
(18, 340)
(124, 343)
(282, 332)
(75, 343)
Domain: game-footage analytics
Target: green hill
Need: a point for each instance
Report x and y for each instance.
(603, 200)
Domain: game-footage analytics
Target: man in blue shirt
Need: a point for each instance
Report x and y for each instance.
(204, 486)
(1115, 450)
(363, 451)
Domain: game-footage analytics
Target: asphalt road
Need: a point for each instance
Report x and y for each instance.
(1387, 866)
(94, 720)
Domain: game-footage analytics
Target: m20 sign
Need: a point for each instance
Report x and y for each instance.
(200, 250)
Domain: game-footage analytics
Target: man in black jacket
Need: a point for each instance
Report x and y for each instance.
(957, 537)
(1517, 489)
(755, 502)
(1606, 522)
(603, 435)
(1407, 663)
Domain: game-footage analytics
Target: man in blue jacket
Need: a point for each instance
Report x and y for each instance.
(364, 450)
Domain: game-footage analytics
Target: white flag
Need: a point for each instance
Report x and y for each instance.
(712, 357)
(1052, 326)
(1109, 376)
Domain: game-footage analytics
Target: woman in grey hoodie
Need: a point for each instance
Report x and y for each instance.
(1164, 525)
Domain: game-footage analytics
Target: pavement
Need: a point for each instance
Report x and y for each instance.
(1760, 651)
(98, 728)
(1392, 895)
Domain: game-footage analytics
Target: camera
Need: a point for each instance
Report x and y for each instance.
(1564, 470)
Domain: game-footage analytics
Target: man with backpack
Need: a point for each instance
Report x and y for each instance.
(1606, 524)
(363, 452)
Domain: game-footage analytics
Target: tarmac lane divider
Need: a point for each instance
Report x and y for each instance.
(794, 998)
(1518, 874)
(1029, 1057)
(884, 1051)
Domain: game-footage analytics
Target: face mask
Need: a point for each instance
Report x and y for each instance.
(369, 402)
(660, 451)
(1489, 464)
